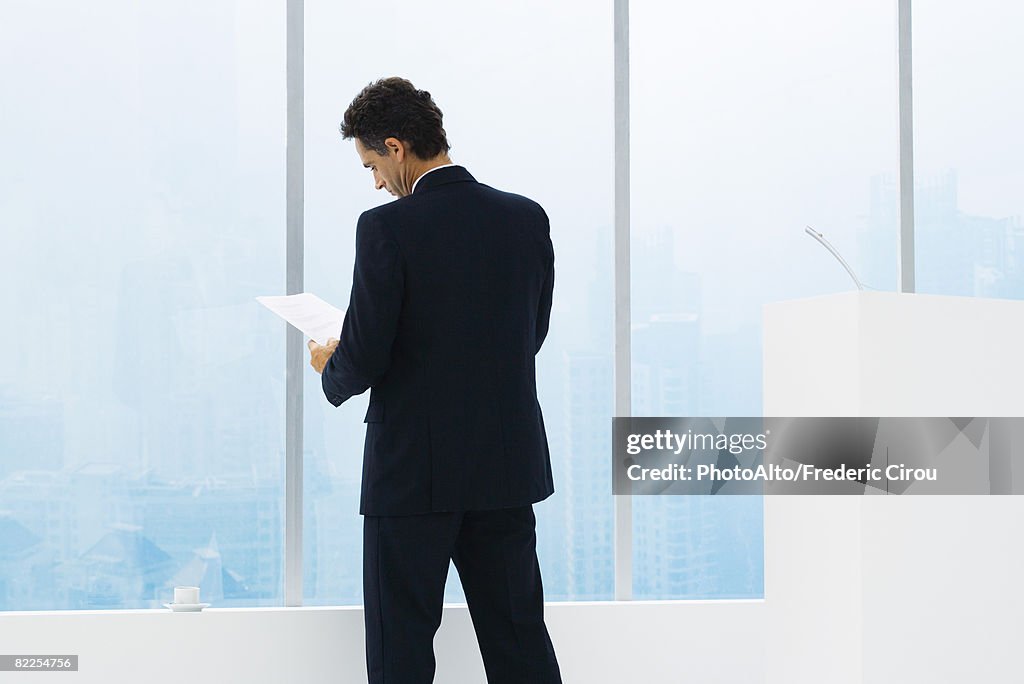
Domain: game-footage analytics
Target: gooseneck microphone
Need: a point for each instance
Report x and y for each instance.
(825, 243)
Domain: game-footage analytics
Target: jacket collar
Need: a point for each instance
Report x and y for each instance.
(439, 177)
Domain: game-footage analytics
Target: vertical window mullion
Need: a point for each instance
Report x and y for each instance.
(906, 160)
(623, 535)
(294, 350)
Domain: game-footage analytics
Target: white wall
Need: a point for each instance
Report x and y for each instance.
(710, 642)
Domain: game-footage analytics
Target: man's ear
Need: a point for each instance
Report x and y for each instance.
(396, 147)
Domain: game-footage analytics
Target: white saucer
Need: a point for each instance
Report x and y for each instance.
(186, 607)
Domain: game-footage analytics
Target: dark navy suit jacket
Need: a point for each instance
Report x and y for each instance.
(451, 297)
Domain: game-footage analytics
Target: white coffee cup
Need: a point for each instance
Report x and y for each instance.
(186, 595)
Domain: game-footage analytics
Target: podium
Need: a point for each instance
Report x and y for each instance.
(892, 354)
(894, 589)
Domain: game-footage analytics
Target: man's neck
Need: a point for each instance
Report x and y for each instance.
(428, 165)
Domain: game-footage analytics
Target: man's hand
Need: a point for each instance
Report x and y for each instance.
(319, 354)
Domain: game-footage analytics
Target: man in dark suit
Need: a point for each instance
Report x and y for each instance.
(451, 296)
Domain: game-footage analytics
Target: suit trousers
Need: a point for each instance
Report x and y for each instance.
(405, 564)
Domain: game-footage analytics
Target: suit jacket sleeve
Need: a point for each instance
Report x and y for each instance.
(544, 308)
(363, 355)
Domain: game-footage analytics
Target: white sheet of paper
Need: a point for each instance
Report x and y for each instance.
(317, 319)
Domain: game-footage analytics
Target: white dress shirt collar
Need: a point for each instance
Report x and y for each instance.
(442, 166)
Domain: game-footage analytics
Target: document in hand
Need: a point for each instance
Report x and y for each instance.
(317, 319)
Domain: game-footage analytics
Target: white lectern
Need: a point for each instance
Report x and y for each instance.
(891, 354)
(894, 589)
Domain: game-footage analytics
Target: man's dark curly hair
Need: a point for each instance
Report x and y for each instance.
(394, 108)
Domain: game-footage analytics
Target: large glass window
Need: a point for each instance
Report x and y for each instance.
(968, 107)
(141, 386)
(749, 121)
(526, 92)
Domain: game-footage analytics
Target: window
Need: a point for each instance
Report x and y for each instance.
(969, 237)
(507, 80)
(748, 122)
(142, 399)
(141, 394)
